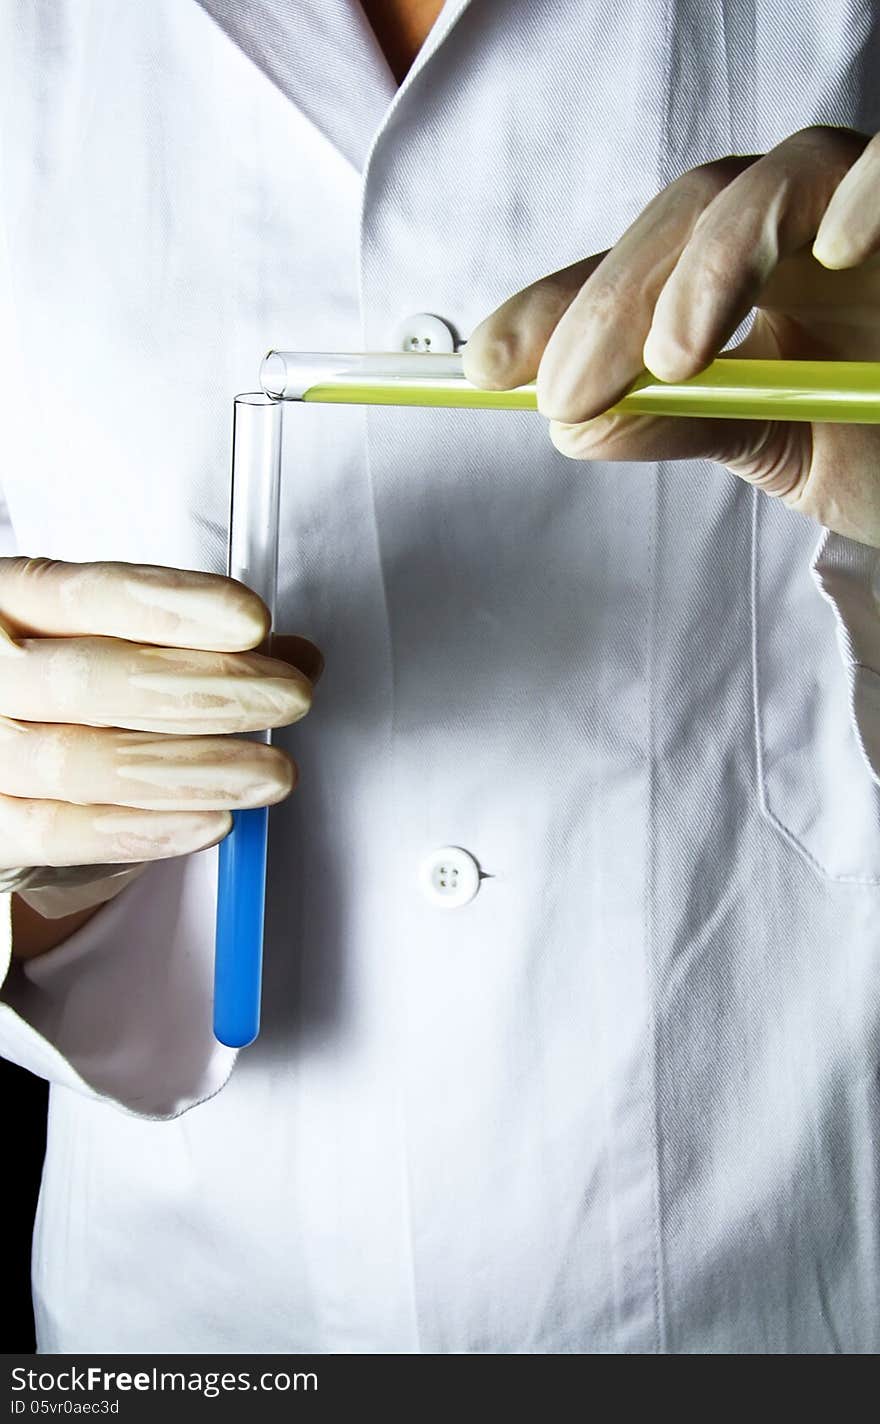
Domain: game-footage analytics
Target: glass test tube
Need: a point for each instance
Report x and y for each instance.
(241, 885)
(730, 388)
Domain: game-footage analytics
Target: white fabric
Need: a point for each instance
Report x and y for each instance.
(624, 1100)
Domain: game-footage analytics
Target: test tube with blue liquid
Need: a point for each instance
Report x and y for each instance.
(241, 886)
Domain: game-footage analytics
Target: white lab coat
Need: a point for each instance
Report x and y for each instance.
(625, 1100)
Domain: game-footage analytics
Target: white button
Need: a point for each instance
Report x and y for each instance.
(423, 332)
(449, 877)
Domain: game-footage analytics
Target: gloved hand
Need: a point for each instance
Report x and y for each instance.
(726, 237)
(115, 681)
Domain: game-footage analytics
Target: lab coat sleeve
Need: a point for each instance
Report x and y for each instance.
(121, 1010)
(848, 576)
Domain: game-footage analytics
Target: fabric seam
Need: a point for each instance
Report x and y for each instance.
(660, 1320)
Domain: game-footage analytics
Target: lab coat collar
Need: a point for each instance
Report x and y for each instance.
(324, 57)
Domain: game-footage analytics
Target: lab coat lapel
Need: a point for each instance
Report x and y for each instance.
(323, 56)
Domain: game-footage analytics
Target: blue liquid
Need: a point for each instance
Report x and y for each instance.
(241, 906)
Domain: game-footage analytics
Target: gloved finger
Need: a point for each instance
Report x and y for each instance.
(769, 211)
(178, 608)
(595, 352)
(635, 438)
(772, 455)
(153, 771)
(849, 232)
(56, 833)
(505, 349)
(105, 682)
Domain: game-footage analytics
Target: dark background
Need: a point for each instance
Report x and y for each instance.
(24, 1100)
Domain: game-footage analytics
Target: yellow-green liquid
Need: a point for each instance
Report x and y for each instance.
(846, 392)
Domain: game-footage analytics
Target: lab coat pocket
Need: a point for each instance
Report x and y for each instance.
(814, 705)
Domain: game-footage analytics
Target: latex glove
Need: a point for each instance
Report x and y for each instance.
(725, 238)
(114, 681)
